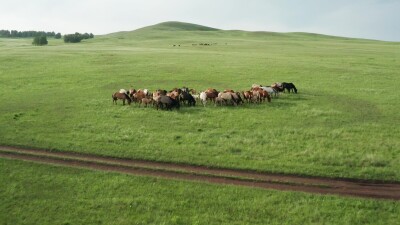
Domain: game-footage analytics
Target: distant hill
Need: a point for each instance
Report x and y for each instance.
(167, 30)
(178, 26)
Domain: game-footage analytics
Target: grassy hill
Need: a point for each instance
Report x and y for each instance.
(342, 123)
(177, 26)
(190, 31)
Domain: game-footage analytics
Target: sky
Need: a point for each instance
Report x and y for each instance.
(370, 19)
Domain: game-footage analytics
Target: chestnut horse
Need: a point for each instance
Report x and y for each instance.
(122, 96)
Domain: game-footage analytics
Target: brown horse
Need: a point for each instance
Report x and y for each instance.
(146, 102)
(248, 95)
(263, 94)
(121, 96)
(211, 94)
(139, 95)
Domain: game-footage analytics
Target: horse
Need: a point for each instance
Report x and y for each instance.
(167, 102)
(131, 92)
(147, 92)
(265, 95)
(228, 90)
(248, 95)
(228, 98)
(186, 97)
(122, 96)
(174, 94)
(271, 91)
(219, 101)
(211, 94)
(146, 102)
(289, 87)
(139, 95)
(278, 87)
(203, 98)
(256, 97)
(237, 98)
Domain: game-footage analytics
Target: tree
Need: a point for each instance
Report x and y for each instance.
(77, 37)
(40, 40)
(57, 36)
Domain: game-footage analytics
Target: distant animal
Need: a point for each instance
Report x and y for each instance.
(228, 98)
(289, 87)
(229, 90)
(146, 102)
(237, 98)
(139, 95)
(271, 91)
(203, 98)
(185, 97)
(219, 101)
(256, 97)
(196, 97)
(211, 94)
(248, 95)
(277, 86)
(193, 91)
(174, 94)
(166, 102)
(121, 96)
(146, 92)
(123, 91)
(131, 92)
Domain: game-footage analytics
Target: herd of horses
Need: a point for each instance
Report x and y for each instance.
(162, 99)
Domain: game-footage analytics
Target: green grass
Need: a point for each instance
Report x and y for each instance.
(343, 123)
(41, 194)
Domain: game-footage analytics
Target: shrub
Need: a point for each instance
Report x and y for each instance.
(40, 40)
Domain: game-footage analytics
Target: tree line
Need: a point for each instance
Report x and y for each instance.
(40, 37)
(24, 34)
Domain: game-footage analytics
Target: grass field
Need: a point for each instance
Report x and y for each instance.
(342, 123)
(40, 194)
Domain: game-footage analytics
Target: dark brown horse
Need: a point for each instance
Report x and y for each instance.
(121, 96)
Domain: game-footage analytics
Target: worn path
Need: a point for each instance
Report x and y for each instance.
(336, 186)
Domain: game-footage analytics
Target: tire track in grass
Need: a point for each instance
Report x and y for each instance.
(319, 185)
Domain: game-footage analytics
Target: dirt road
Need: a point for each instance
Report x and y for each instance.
(319, 185)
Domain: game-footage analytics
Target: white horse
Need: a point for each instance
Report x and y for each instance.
(203, 98)
(123, 91)
(271, 91)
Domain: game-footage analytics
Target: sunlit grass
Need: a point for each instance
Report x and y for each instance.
(343, 122)
(42, 194)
